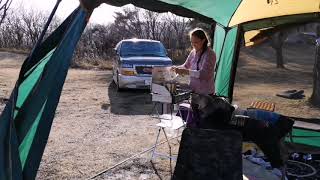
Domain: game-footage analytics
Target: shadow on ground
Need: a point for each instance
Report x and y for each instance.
(129, 101)
(138, 168)
(7, 55)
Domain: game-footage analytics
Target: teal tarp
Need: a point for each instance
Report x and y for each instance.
(26, 122)
(306, 137)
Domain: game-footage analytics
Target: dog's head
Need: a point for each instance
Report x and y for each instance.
(213, 109)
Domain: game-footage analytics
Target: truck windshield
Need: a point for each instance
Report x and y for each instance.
(142, 48)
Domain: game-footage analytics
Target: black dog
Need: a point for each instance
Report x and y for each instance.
(214, 112)
(217, 113)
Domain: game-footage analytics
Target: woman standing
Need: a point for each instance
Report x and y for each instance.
(200, 64)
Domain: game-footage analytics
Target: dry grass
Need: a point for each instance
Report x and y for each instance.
(178, 57)
(92, 64)
(16, 51)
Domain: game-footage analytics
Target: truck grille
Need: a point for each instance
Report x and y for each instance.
(144, 69)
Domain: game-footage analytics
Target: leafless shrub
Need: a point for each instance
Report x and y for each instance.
(22, 28)
(4, 6)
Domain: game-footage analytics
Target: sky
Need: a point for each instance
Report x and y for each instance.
(101, 15)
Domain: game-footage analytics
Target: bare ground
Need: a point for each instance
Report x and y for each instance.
(95, 127)
(258, 79)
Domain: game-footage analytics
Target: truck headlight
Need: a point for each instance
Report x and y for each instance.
(127, 72)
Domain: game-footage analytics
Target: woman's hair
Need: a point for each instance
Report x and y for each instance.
(201, 34)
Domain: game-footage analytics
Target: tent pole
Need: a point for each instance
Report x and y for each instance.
(35, 47)
(235, 62)
(218, 58)
(45, 28)
(212, 30)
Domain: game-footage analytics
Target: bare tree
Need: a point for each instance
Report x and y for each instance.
(277, 41)
(33, 22)
(97, 42)
(128, 24)
(167, 35)
(152, 25)
(279, 37)
(180, 27)
(21, 28)
(4, 6)
(12, 32)
(315, 97)
(17, 32)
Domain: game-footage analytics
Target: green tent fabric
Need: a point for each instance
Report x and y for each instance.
(225, 58)
(26, 120)
(306, 137)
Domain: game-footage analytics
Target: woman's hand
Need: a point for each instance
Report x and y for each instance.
(181, 71)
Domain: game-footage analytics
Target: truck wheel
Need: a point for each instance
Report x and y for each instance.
(118, 88)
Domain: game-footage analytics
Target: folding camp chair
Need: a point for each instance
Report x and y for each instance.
(168, 121)
(304, 137)
(171, 123)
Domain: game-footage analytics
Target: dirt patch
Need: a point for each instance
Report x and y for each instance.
(96, 127)
(139, 168)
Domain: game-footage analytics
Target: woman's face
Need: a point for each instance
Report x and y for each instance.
(197, 43)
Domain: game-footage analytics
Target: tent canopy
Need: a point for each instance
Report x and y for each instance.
(228, 13)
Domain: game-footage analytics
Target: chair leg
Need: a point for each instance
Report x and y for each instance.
(155, 109)
(170, 153)
(284, 156)
(178, 135)
(188, 117)
(155, 145)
